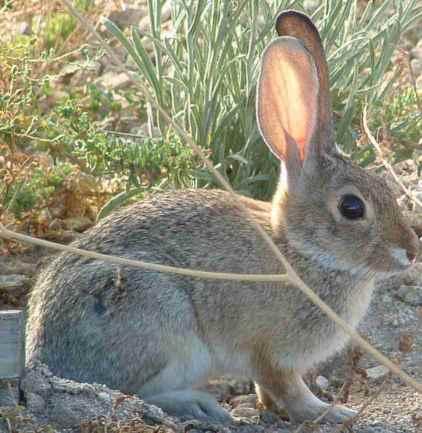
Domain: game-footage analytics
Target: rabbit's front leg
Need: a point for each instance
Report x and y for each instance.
(285, 388)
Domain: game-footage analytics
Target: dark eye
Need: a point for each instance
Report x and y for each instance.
(351, 207)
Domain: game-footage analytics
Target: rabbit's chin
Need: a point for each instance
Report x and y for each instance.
(330, 261)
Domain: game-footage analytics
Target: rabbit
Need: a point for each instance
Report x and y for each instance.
(162, 336)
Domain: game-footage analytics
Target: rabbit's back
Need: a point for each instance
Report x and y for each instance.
(88, 318)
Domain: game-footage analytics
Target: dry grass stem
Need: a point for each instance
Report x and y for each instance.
(9, 234)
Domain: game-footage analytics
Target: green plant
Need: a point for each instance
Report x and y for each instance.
(142, 161)
(33, 188)
(58, 28)
(6, 5)
(149, 165)
(84, 5)
(16, 90)
(204, 74)
(401, 120)
(60, 25)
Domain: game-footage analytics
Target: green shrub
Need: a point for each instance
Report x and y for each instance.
(84, 5)
(399, 115)
(58, 28)
(204, 75)
(34, 190)
(60, 25)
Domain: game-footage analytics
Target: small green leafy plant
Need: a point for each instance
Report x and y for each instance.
(34, 190)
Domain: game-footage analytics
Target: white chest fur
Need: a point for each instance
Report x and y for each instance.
(325, 341)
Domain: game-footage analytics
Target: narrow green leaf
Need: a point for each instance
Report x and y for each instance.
(117, 201)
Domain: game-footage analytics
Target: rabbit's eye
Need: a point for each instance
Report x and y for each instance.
(351, 207)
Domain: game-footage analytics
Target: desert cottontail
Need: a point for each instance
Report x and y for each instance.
(162, 335)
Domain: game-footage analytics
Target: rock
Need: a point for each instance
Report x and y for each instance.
(144, 24)
(9, 392)
(416, 65)
(66, 72)
(36, 380)
(127, 121)
(378, 372)
(13, 282)
(146, 130)
(416, 53)
(226, 387)
(220, 389)
(66, 403)
(120, 52)
(35, 403)
(128, 16)
(248, 400)
(322, 382)
(244, 412)
(114, 81)
(310, 5)
(12, 265)
(86, 74)
(241, 386)
(269, 417)
(412, 295)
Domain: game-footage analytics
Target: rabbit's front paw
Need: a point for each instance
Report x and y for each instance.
(313, 411)
(339, 414)
(189, 404)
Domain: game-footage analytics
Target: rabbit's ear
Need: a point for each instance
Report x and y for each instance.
(298, 25)
(287, 101)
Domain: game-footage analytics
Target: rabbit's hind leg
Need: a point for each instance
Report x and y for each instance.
(191, 404)
(185, 364)
(171, 389)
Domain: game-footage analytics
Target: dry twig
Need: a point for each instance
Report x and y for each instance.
(9, 234)
(387, 165)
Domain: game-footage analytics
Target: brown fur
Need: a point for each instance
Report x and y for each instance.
(162, 335)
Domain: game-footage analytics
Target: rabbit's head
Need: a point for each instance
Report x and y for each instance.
(328, 208)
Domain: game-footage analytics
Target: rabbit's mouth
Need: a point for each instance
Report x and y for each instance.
(400, 259)
(393, 261)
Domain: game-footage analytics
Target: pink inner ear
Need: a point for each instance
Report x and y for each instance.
(287, 96)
